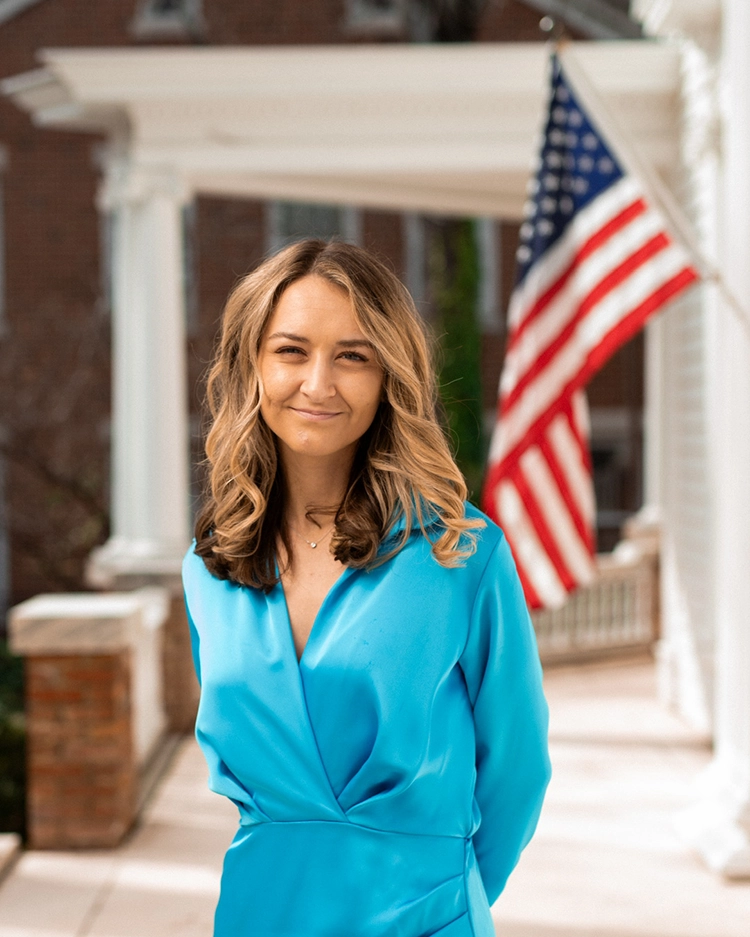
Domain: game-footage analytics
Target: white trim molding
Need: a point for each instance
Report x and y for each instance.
(427, 128)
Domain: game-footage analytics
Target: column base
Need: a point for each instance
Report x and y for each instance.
(717, 825)
(124, 564)
(685, 653)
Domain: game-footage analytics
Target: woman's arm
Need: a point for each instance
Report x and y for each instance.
(504, 678)
(194, 639)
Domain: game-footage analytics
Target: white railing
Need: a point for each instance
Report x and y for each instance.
(618, 613)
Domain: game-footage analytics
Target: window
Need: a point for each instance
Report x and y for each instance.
(415, 263)
(376, 17)
(292, 221)
(489, 276)
(163, 19)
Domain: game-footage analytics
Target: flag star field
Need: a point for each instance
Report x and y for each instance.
(575, 166)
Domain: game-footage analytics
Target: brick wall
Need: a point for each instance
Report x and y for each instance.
(382, 234)
(509, 21)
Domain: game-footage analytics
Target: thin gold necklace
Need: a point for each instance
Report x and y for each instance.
(314, 543)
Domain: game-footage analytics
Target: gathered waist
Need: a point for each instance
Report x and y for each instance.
(249, 822)
(399, 883)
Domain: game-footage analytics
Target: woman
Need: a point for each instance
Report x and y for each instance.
(370, 687)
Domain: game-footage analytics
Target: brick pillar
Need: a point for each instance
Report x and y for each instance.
(82, 778)
(181, 690)
(94, 711)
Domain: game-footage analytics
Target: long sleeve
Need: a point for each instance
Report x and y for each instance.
(194, 640)
(504, 678)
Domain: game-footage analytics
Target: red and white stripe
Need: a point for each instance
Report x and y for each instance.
(614, 266)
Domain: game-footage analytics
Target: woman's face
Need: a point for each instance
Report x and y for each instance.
(321, 378)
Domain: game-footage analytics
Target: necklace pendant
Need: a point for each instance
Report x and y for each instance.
(313, 545)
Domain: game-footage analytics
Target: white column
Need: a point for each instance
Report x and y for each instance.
(150, 441)
(719, 824)
(678, 420)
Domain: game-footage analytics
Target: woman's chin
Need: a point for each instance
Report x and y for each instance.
(318, 449)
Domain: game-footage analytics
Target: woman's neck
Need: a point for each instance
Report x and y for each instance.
(314, 481)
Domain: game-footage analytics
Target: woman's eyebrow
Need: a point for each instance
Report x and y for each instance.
(290, 336)
(352, 342)
(345, 342)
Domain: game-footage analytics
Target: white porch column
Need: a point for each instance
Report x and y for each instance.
(719, 824)
(682, 427)
(150, 442)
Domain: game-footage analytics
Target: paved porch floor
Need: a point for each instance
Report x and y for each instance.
(605, 861)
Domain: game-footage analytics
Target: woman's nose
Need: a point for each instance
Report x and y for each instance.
(318, 379)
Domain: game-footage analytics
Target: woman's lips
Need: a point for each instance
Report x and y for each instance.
(316, 415)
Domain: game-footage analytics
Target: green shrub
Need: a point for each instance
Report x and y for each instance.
(12, 739)
(454, 276)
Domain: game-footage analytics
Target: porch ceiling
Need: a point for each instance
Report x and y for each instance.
(430, 127)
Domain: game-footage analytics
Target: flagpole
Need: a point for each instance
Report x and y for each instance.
(682, 230)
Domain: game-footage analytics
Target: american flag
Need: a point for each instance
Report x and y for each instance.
(595, 260)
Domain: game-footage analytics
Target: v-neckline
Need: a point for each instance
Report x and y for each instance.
(314, 629)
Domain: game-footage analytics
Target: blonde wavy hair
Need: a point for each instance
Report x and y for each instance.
(403, 468)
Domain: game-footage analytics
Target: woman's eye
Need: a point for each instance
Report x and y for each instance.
(296, 351)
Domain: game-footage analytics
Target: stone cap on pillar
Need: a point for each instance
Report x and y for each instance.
(85, 622)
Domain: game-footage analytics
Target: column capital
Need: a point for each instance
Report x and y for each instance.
(701, 124)
(127, 563)
(126, 182)
(698, 19)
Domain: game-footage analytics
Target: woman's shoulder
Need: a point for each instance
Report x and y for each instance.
(480, 541)
(204, 589)
(194, 569)
(484, 559)
(190, 556)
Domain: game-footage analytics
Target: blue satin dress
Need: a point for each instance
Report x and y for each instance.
(387, 782)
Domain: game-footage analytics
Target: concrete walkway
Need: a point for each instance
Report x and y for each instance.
(605, 861)
(163, 882)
